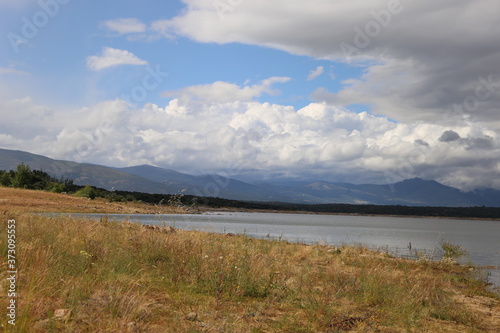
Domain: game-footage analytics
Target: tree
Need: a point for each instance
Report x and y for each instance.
(23, 176)
(5, 179)
(56, 187)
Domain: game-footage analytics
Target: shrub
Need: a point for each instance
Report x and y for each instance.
(452, 251)
(87, 192)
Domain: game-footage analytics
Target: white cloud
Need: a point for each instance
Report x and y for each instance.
(162, 28)
(125, 26)
(134, 29)
(8, 141)
(224, 92)
(113, 57)
(317, 141)
(315, 73)
(412, 72)
(432, 83)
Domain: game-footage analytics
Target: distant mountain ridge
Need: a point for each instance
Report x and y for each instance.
(151, 179)
(208, 185)
(81, 173)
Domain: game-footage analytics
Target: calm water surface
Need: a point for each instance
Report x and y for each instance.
(393, 234)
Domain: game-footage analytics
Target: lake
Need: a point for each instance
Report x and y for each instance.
(393, 234)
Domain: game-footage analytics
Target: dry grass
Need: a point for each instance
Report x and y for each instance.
(18, 200)
(121, 277)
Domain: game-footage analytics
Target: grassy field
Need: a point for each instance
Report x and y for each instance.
(102, 276)
(17, 200)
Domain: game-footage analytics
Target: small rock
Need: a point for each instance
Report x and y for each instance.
(249, 315)
(335, 250)
(168, 230)
(192, 316)
(132, 327)
(146, 227)
(62, 314)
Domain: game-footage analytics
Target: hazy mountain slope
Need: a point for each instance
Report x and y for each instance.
(411, 192)
(485, 197)
(81, 173)
(207, 185)
(150, 179)
(421, 192)
(160, 175)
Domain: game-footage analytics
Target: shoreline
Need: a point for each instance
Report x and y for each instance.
(40, 201)
(303, 212)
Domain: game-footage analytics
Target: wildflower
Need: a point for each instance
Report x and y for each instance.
(85, 254)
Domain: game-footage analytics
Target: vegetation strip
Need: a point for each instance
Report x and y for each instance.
(24, 177)
(104, 276)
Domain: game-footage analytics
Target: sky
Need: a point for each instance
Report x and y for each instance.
(351, 91)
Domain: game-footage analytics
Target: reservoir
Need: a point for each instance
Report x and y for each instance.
(401, 236)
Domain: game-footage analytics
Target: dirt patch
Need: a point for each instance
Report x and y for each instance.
(488, 310)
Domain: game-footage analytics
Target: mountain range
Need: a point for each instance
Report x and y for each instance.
(151, 179)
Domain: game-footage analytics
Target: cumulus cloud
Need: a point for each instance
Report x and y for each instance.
(132, 28)
(449, 136)
(113, 57)
(485, 143)
(315, 73)
(224, 92)
(412, 72)
(434, 96)
(124, 26)
(250, 137)
(421, 142)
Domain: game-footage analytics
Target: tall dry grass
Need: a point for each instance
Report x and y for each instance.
(121, 277)
(21, 200)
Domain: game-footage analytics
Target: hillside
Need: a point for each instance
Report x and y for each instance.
(13, 200)
(206, 185)
(151, 179)
(82, 173)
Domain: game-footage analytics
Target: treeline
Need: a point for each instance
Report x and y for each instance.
(427, 211)
(24, 177)
(190, 200)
